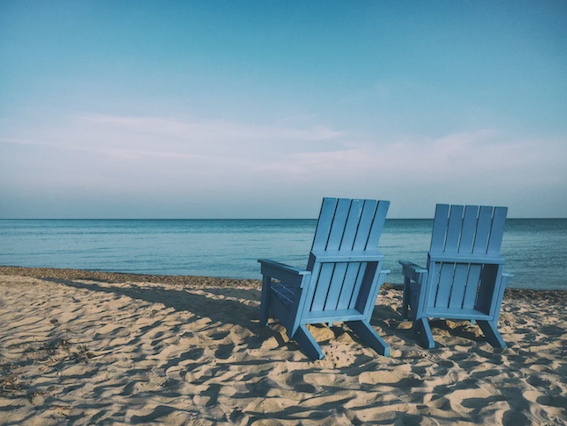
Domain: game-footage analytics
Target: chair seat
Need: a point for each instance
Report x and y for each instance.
(286, 293)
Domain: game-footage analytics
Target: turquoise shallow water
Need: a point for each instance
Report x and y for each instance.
(535, 249)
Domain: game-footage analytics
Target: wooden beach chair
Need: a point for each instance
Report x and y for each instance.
(464, 279)
(343, 276)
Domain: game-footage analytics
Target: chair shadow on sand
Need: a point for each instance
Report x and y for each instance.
(226, 309)
(240, 307)
(229, 309)
(237, 306)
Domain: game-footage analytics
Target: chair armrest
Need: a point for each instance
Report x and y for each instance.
(416, 268)
(493, 259)
(411, 270)
(507, 274)
(348, 256)
(284, 273)
(284, 267)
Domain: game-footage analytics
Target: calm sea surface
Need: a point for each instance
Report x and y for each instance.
(535, 249)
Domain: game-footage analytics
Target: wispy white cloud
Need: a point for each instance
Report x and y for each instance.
(477, 156)
(212, 141)
(153, 149)
(215, 130)
(208, 159)
(297, 152)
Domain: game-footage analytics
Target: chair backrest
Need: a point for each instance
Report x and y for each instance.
(344, 255)
(464, 257)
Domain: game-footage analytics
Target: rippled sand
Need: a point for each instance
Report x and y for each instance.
(80, 351)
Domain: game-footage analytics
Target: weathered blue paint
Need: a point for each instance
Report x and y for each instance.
(342, 278)
(464, 278)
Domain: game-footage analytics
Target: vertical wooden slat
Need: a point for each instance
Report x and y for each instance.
(430, 292)
(450, 287)
(322, 287)
(348, 285)
(454, 229)
(459, 285)
(338, 226)
(445, 284)
(365, 223)
(482, 229)
(335, 286)
(469, 228)
(351, 227)
(497, 231)
(324, 223)
(439, 227)
(340, 275)
(472, 286)
(377, 225)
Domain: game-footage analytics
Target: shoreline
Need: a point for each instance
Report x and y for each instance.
(122, 277)
(559, 296)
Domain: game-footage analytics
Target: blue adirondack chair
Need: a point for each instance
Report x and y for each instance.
(464, 279)
(342, 278)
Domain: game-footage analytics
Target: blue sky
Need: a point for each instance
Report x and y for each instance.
(258, 109)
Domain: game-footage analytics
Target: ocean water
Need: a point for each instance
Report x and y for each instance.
(535, 249)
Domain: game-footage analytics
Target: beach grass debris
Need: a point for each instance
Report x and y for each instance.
(59, 346)
(12, 387)
(82, 354)
(36, 397)
(53, 345)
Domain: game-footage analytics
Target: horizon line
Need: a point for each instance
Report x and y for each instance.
(293, 218)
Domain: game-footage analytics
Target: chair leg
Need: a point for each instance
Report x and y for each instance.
(406, 300)
(421, 325)
(265, 306)
(492, 334)
(368, 335)
(308, 343)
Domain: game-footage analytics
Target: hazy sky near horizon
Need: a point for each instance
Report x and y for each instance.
(258, 109)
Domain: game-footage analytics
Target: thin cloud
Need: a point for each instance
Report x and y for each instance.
(210, 131)
(205, 141)
(476, 156)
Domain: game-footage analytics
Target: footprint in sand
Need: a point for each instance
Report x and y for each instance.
(515, 418)
(557, 401)
(224, 351)
(220, 336)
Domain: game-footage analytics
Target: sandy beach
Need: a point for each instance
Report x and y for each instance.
(87, 348)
